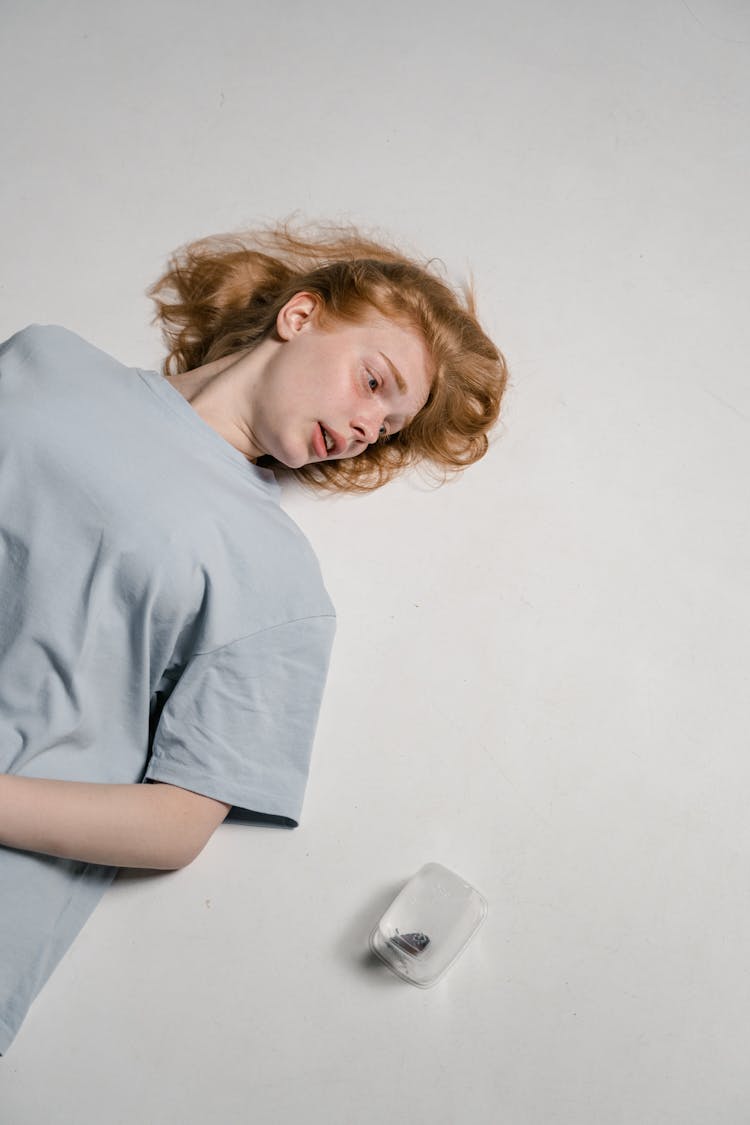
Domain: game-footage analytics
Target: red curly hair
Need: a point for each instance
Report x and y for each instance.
(222, 294)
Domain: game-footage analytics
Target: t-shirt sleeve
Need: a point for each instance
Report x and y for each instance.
(240, 722)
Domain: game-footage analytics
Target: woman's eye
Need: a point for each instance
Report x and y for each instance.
(383, 432)
(372, 382)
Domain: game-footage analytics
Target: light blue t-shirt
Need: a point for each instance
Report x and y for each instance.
(161, 618)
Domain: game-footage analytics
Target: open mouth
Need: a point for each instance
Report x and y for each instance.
(329, 442)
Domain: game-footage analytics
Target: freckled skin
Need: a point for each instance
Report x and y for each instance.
(271, 399)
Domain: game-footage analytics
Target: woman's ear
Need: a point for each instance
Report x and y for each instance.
(297, 314)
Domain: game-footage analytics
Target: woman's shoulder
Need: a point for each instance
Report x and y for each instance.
(40, 331)
(29, 352)
(37, 337)
(56, 354)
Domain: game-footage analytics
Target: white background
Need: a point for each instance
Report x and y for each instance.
(541, 672)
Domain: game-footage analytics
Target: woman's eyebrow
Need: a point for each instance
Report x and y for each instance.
(396, 374)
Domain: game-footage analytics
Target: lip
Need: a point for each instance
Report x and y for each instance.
(319, 441)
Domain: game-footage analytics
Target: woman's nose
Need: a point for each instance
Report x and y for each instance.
(367, 428)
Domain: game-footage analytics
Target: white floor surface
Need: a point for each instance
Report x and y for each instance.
(541, 673)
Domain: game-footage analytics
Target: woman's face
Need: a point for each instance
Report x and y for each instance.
(329, 393)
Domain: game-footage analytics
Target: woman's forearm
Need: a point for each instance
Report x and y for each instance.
(117, 825)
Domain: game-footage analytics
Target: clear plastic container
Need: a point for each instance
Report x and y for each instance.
(428, 925)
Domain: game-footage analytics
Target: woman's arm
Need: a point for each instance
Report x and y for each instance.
(157, 826)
